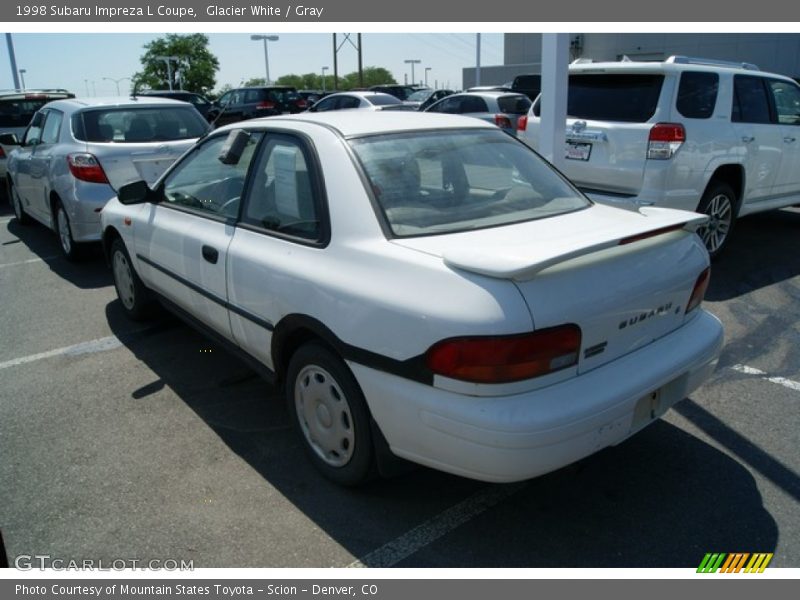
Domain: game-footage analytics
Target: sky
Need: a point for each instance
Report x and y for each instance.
(85, 63)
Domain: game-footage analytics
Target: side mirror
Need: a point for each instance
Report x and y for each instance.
(137, 192)
(233, 147)
(9, 139)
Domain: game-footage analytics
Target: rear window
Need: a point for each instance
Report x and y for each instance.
(138, 125)
(429, 183)
(614, 97)
(514, 105)
(697, 94)
(18, 113)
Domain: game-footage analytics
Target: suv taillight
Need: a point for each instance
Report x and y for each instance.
(522, 123)
(664, 140)
(699, 291)
(86, 167)
(266, 105)
(502, 359)
(502, 121)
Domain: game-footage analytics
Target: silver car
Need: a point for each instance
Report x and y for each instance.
(501, 108)
(375, 101)
(76, 153)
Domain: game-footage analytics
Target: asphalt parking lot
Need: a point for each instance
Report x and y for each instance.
(123, 440)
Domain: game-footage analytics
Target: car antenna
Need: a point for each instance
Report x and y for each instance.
(219, 114)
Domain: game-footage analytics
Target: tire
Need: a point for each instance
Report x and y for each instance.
(331, 416)
(16, 203)
(720, 203)
(69, 248)
(133, 295)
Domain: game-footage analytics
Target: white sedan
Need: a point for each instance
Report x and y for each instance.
(423, 286)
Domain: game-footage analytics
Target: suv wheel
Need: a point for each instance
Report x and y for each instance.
(721, 205)
(16, 203)
(329, 411)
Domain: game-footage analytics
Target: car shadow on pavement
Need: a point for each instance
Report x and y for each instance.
(762, 251)
(88, 272)
(662, 499)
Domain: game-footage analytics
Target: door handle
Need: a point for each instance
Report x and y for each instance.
(210, 254)
(788, 139)
(748, 138)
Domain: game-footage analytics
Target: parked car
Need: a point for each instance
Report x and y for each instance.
(719, 138)
(501, 108)
(423, 286)
(200, 102)
(422, 99)
(395, 89)
(530, 85)
(375, 101)
(251, 102)
(76, 153)
(16, 111)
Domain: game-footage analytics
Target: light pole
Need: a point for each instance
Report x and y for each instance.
(323, 77)
(86, 81)
(117, 81)
(265, 38)
(426, 75)
(412, 62)
(22, 78)
(168, 60)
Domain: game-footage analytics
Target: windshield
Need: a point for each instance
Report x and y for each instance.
(446, 181)
(137, 125)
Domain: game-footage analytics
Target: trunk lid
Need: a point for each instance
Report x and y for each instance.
(574, 269)
(125, 163)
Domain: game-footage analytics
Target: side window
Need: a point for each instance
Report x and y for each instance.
(697, 94)
(787, 101)
(349, 102)
(33, 135)
(252, 96)
(750, 101)
(448, 105)
(283, 197)
(52, 126)
(202, 182)
(325, 105)
(473, 104)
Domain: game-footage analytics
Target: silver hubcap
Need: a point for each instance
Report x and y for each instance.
(324, 415)
(123, 279)
(720, 213)
(63, 230)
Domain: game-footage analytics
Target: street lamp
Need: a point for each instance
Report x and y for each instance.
(266, 38)
(117, 81)
(426, 75)
(412, 62)
(323, 78)
(22, 78)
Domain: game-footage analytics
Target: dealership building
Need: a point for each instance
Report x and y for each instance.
(522, 53)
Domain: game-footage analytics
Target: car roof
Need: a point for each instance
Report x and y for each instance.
(34, 94)
(488, 94)
(367, 94)
(671, 65)
(113, 102)
(352, 123)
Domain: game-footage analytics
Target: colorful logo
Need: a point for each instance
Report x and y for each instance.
(714, 562)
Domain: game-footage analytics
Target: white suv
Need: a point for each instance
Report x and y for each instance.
(719, 138)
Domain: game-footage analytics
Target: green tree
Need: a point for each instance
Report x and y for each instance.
(372, 76)
(194, 70)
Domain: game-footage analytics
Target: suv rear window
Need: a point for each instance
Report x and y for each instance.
(514, 105)
(18, 113)
(614, 97)
(697, 94)
(138, 125)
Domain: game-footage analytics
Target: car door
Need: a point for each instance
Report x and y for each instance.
(40, 161)
(282, 231)
(786, 99)
(182, 242)
(22, 169)
(760, 138)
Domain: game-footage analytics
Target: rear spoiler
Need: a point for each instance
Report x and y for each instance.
(523, 262)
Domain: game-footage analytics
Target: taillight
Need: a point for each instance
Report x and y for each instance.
(86, 167)
(699, 291)
(664, 140)
(502, 121)
(301, 104)
(266, 105)
(522, 123)
(509, 358)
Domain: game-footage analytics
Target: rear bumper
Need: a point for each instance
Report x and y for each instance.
(516, 437)
(84, 204)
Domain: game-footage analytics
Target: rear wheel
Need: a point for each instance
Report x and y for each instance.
(16, 203)
(132, 293)
(69, 248)
(721, 205)
(331, 415)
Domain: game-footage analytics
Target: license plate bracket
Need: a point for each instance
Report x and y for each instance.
(578, 151)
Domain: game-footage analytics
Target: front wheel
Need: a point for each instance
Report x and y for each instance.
(329, 411)
(721, 205)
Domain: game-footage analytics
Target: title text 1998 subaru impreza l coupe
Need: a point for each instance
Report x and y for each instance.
(424, 286)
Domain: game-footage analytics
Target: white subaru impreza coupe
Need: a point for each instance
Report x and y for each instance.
(423, 286)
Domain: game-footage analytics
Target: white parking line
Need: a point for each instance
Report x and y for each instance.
(30, 260)
(98, 345)
(6, 219)
(787, 383)
(428, 532)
